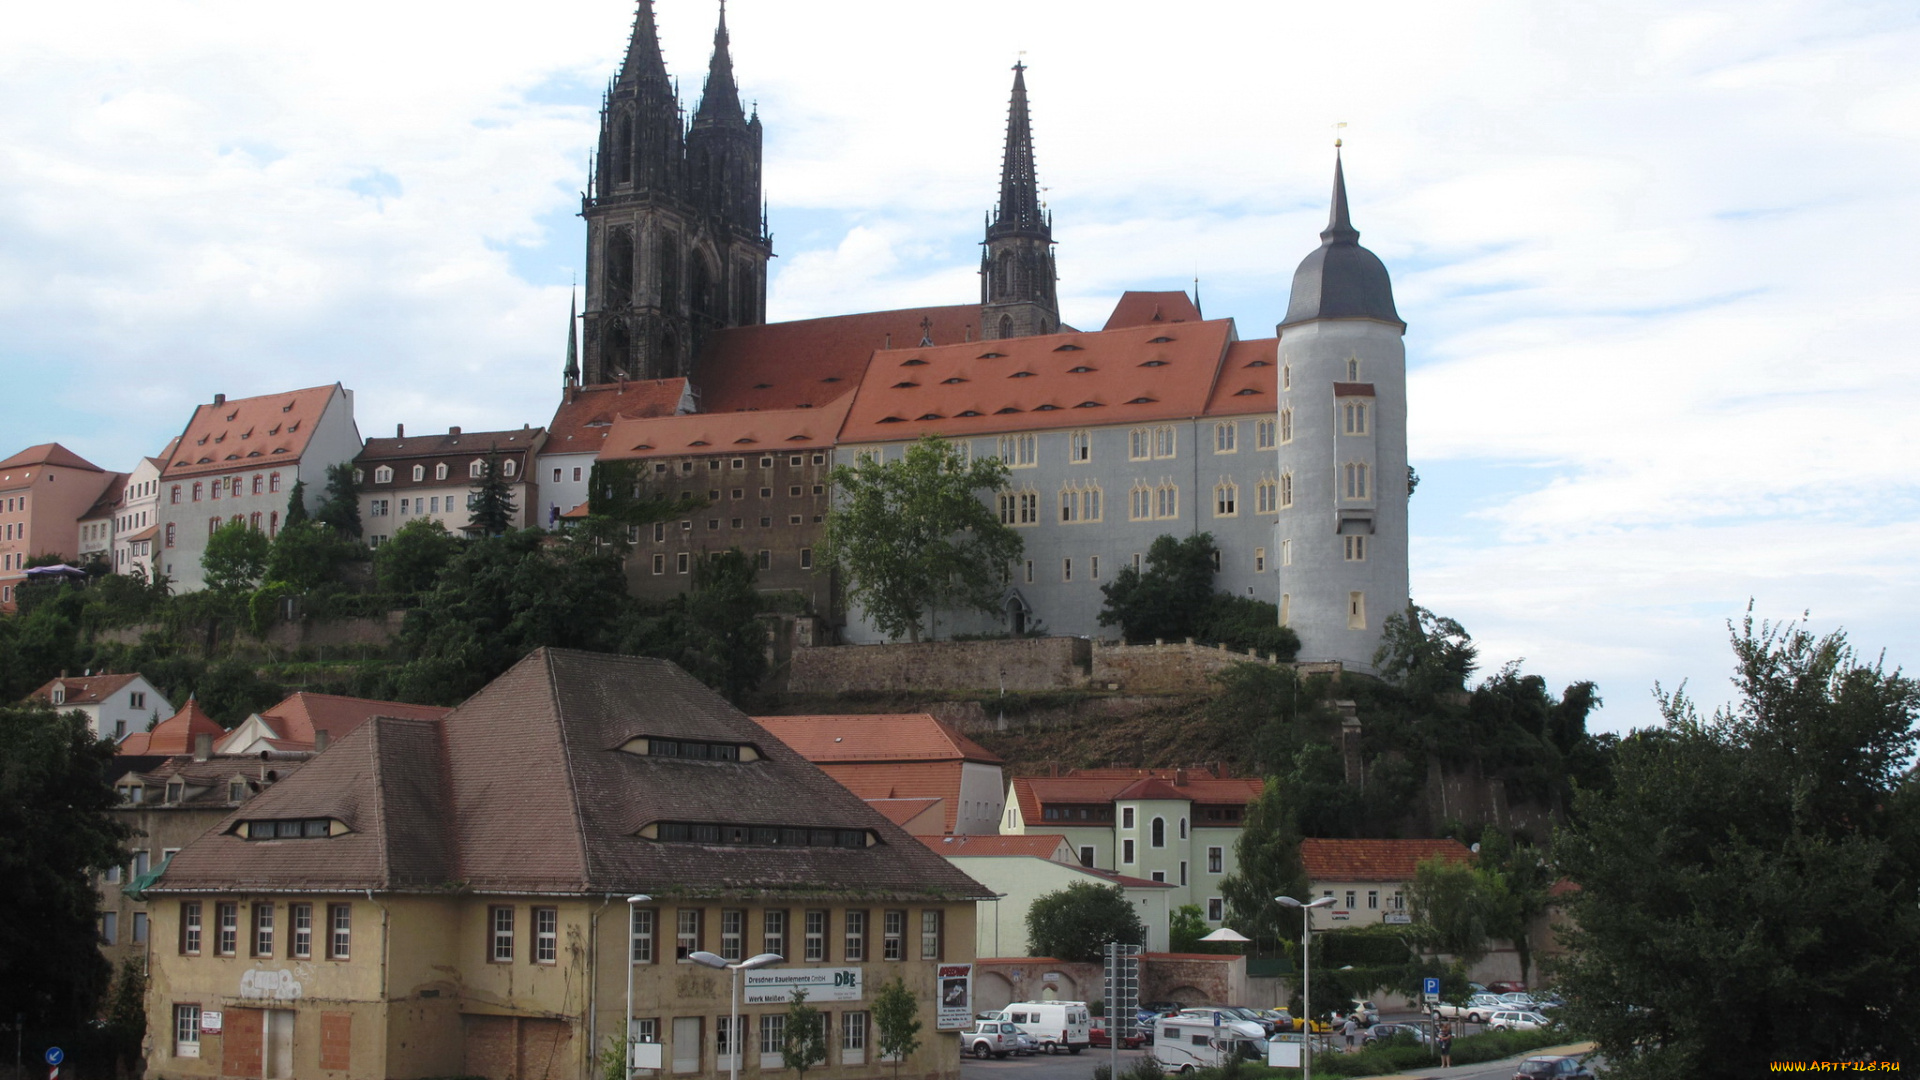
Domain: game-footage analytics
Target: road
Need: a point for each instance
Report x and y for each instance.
(1080, 1067)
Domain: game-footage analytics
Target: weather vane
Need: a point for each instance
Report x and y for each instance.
(1337, 129)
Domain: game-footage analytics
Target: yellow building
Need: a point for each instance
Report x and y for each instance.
(435, 898)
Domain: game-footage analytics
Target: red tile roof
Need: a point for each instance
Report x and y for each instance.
(250, 432)
(1035, 792)
(111, 497)
(587, 413)
(772, 431)
(49, 454)
(1125, 376)
(1145, 308)
(896, 780)
(1373, 860)
(1034, 845)
(175, 734)
(812, 361)
(1353, 389)
(297, 718)
(1249, 381)
(876, 737)
(85, 690)
(901, 811)
(1129, 882)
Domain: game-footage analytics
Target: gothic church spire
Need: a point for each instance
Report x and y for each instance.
(644, 63)
(1017, 279)
(720, 100)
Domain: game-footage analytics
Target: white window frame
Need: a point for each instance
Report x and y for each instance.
(1226, 437)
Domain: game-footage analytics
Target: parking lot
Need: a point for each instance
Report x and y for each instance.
(1044, 1066)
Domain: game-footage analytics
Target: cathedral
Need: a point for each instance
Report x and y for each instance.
(1290, 450)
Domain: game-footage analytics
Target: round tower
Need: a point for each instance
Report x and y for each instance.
(1342, 535)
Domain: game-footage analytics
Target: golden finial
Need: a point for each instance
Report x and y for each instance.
(1337, 128)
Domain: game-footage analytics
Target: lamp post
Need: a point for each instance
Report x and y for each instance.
(626, 1022)
(1306, 1005)
(733, 996)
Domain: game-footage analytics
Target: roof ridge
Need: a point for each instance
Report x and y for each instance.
(379, 785)
(552, 689)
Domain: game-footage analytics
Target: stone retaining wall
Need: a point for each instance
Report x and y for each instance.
(1021, 665)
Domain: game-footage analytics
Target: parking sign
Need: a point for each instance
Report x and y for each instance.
(1430, 987)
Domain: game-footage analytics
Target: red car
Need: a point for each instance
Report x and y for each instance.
(1098, 1036)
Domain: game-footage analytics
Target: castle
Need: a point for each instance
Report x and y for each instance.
(1290, 450)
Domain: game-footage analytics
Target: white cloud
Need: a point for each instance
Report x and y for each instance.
(1655, 258)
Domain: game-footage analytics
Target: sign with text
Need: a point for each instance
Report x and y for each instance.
(209, 1021)
(775, 986)
(955, 983)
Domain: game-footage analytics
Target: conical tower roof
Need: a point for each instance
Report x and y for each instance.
(1019, 209)
(1341, 279)
(720, 100)
(643, 63)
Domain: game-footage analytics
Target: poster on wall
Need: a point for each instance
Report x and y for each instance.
(955, 985)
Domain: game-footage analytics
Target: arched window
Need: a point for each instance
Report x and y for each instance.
(477, 468)
(383, 475)
(169, 534)
(419, 473)
(508, 467)
(1159, 832)
(1006, 326)
(1003, 278)
(440, 471)
(619, 267)
(623, 150)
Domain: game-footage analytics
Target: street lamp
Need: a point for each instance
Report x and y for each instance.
(1306, 1006)
(626, 1022)
(733, 996)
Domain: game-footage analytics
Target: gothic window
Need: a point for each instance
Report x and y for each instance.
(1356, 480)
(623, 151)
(1354, 413)
(1286, 490)
(667, 258)
(1286, 425)
(1226, 499)
(617, 351)
(1166, 501)
(1267, 496)
(619, 269)
(705, 300)
(1006, 326)
(1003, 285)
(1140, 504)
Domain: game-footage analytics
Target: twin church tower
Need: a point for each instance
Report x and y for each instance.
(677, 240)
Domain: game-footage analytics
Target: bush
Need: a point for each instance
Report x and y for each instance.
(1241, 623)
(1396, 1057)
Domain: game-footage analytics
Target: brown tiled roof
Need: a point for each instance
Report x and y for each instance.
(901, 811)
(385, 782)
(1033, 793)
(214, 775)
(1035, 845)
(772, 431)
(587, 413)
(1132, 375)
(297, 718)
(875, 737)
(1373, 860)
(111, 497)
(49, 454)
(539, 796)
(84, 690)
(248, 432)
(175, 734)
(1249, 381)
(810, 362)
(1138, 308)
(452, 444)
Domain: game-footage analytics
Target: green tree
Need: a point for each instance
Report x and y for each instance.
(491, 510)
(1425, 654)
(340, 509)
(803, 1042)
(232, 690)
(1749, 886)
(1185, 927)
(912, 535)
(412, 561)
(721, 641)
(127, 1012)
(1267, 855)
(1170, 598)
(1076, 923)
(296, 504)
(235, 558)
(896, 1015)
(1458, 908)
(55, 833)
(306, 557)
(1528, 877)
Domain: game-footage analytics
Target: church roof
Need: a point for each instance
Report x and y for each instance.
(760, 432)
(810, 362)
(1341, 279)
(249, 433)
(1140, 308)
(1092, 379)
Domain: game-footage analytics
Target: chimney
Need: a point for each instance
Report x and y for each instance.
(202, 746)
(399, 431)
(219, 399)
(453, 431)
(1180, 777)
(320, 739)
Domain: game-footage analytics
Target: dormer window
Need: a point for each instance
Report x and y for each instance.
(1154, 363)
(508, 467)
(383, 475)
(1069, 347)
(915, 362)
(688, 832)
(236, 790)
(950, 382)
(1081, 370)
(692, 749)
(440, 471)
(905, 385)
(1161, 340)
(291, 829)
(992, 355)
(1021, 375)
(59, 695)
(419, 473)
(176, 791)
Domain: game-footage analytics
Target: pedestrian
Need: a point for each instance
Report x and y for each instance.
(1446, 1046)
(1351, 1029)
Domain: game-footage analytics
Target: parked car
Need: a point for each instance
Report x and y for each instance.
(1195, 1039)
(1517, 1020)
(1285, 1021)
(1519, 1000)
(1380, 1033)
(1054, 1025)
(1506, 987)
(1098, 1034)
(1476, 1010)
(997, 1038)
(1552, 1067)
(1363, 1011)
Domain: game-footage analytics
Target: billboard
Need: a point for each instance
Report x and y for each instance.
(954, 1010)
(775, 986)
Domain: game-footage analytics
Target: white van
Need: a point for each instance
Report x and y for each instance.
(1205, 1039)
(1054, 1025)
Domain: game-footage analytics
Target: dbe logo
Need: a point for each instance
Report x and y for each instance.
(846, 978)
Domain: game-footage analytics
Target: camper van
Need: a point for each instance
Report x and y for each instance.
(1205, 1039)
(1054, 1025)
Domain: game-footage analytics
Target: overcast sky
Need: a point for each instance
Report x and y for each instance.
(1657, 259)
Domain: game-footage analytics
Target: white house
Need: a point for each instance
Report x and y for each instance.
(115, 705)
